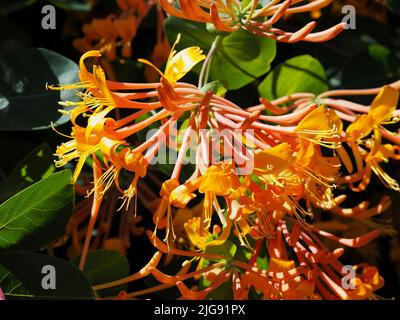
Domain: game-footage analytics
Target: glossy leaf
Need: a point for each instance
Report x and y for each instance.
(104, 266)
(298, 74)
(227, 249)
(37, 215)
(22, 274)
(216, 86)
(25, 104)
(241, 58)
(193, 33)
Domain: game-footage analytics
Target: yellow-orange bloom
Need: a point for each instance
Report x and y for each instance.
(179, 63)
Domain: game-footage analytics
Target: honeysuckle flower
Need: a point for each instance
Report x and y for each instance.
(254, 17)
(325, 271)
(367, 281)
(218, 180)
(81, 147)
(179, 63)
(283, 281)
(197, 232)
(321, 126)
(381, 111)
(299, 154)
(108, 34)
(314, 274)
(200, 237)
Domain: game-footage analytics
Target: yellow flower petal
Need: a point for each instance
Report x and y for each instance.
(182, 62)
(320, 122)
(218, 180)
(197, 232)
(360, 128)
(274, 160)
(384, 104)
(84, 74)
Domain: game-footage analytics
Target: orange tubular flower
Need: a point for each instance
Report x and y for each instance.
(254, 17)
(116, 31)
(318, 274)
(299, 154)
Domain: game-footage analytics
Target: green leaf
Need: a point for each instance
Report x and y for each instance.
(371, 68)
(215, 86)
(37, 215)
(78, 5)
(25, 104)
(193, 33)
(104, 266)
(9, 6)
(227, 249)
(241, 58)
(298, 74)
(21, 277)
(34, 167)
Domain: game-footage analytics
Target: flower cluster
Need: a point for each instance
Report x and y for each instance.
(255, 17)
(116, 31)
(265, 173)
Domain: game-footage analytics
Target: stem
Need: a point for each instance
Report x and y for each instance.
(207, 61)
(97, 199)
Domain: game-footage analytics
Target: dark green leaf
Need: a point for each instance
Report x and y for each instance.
(104, 266)
(193, 33)
(371, 68)
(37, 215)
(35, 166)
(21, 277)
(25, 104)
(241, 58)
(227, 249)
(298, 74)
